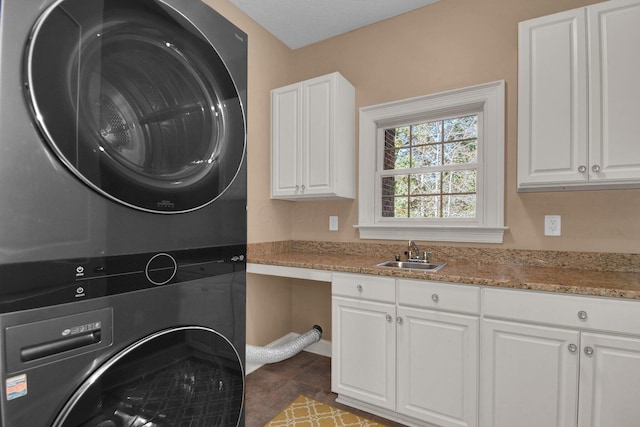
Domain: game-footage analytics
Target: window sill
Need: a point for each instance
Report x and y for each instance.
(433, 234)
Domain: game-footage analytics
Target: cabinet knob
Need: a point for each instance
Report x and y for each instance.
(359, 288)
(389, 318)
(303, 187)
(588, 351)
(399, 320)
(582, 168)
(435, 297)
(572, 348)
(582, 315)
(595, 168)
(297, 188)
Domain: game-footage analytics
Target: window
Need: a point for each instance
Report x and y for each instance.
(429, 169)
(432, 168)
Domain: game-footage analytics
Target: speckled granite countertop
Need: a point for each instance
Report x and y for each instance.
(539, 275)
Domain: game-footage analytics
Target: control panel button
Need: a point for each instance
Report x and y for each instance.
(161, 268)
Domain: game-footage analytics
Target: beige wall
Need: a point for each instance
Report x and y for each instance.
(311, 305)
(450, 44)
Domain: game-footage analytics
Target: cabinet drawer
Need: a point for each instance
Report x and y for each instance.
(583, 312)
(364, 287)
(439, 295)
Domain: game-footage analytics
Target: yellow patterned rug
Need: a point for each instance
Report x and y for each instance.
(306, 412)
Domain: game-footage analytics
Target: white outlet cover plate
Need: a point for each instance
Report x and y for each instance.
(552, 225)
(333, 223)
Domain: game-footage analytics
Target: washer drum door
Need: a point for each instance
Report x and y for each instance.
(189, 376)
(136, 102)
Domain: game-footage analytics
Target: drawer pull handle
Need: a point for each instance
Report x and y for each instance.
(582, 315)
(359, 288)
(435, 297)
(572, 348)
(389, 318)
(588, 351)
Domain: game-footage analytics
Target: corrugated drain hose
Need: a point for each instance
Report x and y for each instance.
(262, 355)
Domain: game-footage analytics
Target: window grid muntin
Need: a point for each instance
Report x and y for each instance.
(442, 195)
(390, 148)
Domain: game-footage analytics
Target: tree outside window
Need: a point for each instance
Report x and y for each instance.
(430, 169)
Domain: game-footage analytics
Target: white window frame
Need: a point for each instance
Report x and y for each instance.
(488, 227)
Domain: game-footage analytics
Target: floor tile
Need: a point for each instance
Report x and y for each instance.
(273, 387)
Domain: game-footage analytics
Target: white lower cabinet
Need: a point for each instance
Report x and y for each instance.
(438, 367)
(609, 381)
(363, 338)
(530, 378)
(543, 366)
(428, 353)
(412, 354)
(363, 359)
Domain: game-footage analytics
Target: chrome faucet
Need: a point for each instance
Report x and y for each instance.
(413, 253)
(413, 249)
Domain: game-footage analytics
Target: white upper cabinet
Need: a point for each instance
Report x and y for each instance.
(614, 91)
(577, 98)
(313, 139)
(552, 100)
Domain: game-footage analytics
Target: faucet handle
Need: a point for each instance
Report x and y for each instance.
(426, 255)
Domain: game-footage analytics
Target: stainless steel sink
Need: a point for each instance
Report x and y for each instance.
(424, 266)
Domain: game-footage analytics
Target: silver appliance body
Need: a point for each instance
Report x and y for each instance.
(122, 214)
(166, 356)
(122, 128)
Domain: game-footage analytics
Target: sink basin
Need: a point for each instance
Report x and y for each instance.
(424, 266)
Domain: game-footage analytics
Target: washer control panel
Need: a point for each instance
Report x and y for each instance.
(47, 283)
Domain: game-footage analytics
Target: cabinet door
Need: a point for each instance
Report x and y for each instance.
(529, 375)
(286, 134)
(317, 162)
(552, 100)
(363, 351)
(609, 381)
(438, 367)
(614, 32)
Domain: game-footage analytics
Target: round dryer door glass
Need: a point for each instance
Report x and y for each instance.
(136, 101)
(189, 376)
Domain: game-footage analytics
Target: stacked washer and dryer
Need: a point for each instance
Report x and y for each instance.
(122, 214)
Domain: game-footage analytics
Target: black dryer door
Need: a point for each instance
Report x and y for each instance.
(186, 376)
(136, 102)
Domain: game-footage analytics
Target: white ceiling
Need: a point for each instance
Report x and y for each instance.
(298, 23)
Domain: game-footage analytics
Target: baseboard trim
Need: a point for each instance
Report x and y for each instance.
(385, 413)
(322, 347)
